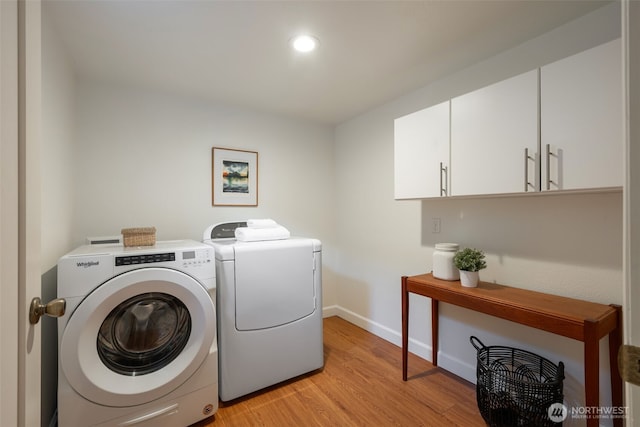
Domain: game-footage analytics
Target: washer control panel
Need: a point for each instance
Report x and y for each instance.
(145, 258)
(189, 258)
(196, 258)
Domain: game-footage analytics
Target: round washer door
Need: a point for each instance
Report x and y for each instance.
(112, 355)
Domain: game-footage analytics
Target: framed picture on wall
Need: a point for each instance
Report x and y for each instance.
(234, 177)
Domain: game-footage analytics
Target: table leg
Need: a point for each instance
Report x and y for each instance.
(591, 368)
(405, 327)
(434, 331)
(615, 341)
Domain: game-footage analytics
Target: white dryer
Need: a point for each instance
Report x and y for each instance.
(269, 300)
(137, 344)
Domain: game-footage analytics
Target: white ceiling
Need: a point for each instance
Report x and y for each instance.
(237, 52)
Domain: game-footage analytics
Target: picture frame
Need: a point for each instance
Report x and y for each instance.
(234, 177)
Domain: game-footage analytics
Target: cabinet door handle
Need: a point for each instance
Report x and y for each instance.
(548, 155)
(443, 183)
(527, 157)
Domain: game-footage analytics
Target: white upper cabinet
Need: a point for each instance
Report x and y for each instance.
(421, 153)
(491, 130)
(581, 120)
(559, 127)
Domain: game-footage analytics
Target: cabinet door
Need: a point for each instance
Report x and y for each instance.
(490, 130)
(421, 144)
(581, 120)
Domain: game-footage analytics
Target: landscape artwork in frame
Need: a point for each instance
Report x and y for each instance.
(234, 177)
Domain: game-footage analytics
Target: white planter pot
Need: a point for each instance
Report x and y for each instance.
(469, 279)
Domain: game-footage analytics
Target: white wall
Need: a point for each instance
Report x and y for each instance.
(57, 195)
(144, 159)
(57, 148)
(565, 244)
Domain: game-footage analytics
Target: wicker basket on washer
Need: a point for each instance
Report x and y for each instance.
(141, 236)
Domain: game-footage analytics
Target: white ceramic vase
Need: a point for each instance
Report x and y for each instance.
(469, 279)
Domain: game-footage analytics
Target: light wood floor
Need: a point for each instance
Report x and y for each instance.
(360, 385)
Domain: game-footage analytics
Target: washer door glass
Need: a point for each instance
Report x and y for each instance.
(144, 334)
(138, 337)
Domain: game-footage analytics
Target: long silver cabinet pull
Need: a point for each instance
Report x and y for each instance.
(548, 155)
(527, 157)
(443, 183)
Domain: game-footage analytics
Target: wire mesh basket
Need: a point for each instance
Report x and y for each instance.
(515, 388)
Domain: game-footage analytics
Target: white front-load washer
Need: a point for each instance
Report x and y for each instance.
(138, 342)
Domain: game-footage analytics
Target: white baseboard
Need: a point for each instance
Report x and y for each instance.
(368, 325)
(332, 310)
(423, 350)
(457, 366)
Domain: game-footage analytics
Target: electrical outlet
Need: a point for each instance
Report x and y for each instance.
(629, 364)
(435, 225)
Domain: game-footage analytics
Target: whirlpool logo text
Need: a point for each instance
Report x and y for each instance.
(87, 264)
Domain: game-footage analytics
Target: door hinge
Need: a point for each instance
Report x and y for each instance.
(629, 364)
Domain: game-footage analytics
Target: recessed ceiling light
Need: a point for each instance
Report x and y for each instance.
(304, 43)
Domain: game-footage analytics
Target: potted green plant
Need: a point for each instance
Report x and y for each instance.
(469, 261)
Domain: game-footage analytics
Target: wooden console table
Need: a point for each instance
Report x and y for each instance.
(581, 320)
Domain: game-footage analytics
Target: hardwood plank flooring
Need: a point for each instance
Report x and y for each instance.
(360, 385)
